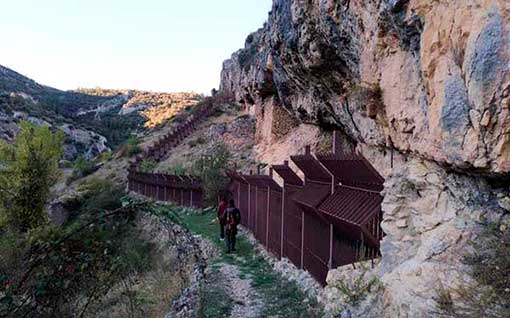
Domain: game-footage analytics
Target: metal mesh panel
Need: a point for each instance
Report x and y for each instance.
(186, 197)
(197, 198)
(143, 188)
(275, 222)
(262, 215)
(344, 250)
(316, 246)
(173, 196)
(252, 210)
(308, 209)
(152, 191)
(155, 191)
(169, 193)
(181, 196)
(161, 193)
(292, 228)
(243, 203)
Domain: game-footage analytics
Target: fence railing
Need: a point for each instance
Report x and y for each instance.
(328, 219)
(185, 190)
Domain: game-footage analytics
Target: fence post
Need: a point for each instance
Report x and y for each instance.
(330, 262)
(282, 220)
(302, 238)
(249, 207)
(267, 215)
(239, 194)
(307, 151)
(256, 210)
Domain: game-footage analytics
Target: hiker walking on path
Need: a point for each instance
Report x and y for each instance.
(222, 206)
(231, 219)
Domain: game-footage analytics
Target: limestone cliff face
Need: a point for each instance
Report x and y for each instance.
(441, 67)
(422, 89)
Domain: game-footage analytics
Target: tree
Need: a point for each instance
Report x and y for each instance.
(212, 169)
(28, 168)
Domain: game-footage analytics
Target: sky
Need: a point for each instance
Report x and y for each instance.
(156, 45)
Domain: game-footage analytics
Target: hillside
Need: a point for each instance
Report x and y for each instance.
(68, 104)
(94, 120)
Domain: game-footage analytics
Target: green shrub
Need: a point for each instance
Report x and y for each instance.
(29, 167)
(212, 169)
(133, 147)
(354, 286)
(106, 156)
(67, 271)
(65, 164)
(83, 167)
(148, 165)
(179, 171)
(100, 195)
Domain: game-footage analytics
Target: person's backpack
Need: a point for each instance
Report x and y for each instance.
(237, 215)
(230, 218)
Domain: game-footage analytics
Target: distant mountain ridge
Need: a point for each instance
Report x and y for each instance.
(67, 103)
(93, 119)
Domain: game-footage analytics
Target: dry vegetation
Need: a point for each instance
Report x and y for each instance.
(283, 122)
(487, 292)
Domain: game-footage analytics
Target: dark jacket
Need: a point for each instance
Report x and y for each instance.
(231, 218)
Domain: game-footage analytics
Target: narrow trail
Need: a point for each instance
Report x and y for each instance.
(243, 284)
(247, 302)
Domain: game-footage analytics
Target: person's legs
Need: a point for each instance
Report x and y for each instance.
(228, 241)
(233, 241)
(222, 231)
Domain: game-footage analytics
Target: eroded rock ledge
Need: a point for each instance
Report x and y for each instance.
(441, 69)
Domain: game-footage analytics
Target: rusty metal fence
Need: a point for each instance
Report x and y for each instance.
(185, 190)
(329, 218)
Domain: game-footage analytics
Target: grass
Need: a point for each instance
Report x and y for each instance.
(281, 297)
(216, 303)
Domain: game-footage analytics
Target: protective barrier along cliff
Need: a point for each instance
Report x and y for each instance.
(185, 190)
(329, 218)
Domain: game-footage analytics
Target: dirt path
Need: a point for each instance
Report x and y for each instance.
(247, 302)
(243, 284)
